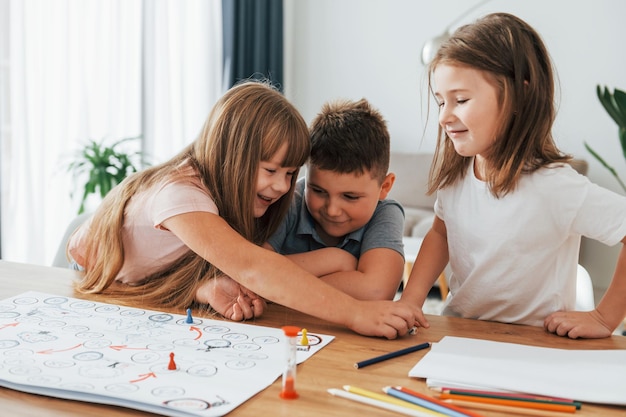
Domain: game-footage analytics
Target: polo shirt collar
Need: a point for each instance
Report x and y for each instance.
(306, 226)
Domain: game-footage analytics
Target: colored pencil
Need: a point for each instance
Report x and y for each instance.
(513, 403)
(506, 409)
(391, 400)
(499, 394)
(513, 396)
(425, 397)
(376, 403)
(480, 391)
(445, 410)
(391, 355)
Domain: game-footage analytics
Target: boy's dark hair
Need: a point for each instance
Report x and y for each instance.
(350, 137)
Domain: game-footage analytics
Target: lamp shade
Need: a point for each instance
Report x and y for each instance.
(431, 47)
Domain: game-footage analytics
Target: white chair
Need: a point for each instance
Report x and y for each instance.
(585, 300)
(60, 259)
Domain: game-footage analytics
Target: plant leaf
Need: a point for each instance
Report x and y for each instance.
(104, 166)
(622, 140)
(607, 101)
(619, 98)
(606, 165)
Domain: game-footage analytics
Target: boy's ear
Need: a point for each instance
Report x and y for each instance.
(386, 185)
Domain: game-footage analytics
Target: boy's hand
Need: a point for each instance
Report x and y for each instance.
(386, 318)
(230, 299)
(575, 324)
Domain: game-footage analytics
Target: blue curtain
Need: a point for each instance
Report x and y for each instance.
(253, 40)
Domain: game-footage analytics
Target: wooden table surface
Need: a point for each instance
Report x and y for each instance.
(332, 367)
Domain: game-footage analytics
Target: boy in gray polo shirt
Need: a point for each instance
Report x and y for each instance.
(340, 227)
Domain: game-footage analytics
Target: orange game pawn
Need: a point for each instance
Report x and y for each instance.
(172, 365)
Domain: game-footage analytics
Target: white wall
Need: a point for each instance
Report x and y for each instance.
(371, 48)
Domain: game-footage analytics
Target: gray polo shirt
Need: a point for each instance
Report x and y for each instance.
(297, 232)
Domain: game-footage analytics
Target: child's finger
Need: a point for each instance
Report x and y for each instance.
(237, 314)
(421, 320)
(246, 306)
(259, 306)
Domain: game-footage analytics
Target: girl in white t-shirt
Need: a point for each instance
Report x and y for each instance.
(510, 211)
(189, 230)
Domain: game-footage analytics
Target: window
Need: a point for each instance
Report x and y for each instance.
(77, 70)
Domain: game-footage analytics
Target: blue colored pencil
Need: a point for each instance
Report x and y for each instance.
(391, 355)
(423, 403)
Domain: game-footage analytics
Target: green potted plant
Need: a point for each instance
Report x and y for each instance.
(615, 105)
(102, 166)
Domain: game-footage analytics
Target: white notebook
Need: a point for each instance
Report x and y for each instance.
(597, 376)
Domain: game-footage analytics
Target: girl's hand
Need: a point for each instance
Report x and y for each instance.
(575, 324)
(386, 319)
(230, 299)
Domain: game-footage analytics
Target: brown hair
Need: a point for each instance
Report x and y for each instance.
(350, 137)
(513, 56)
(247, 125)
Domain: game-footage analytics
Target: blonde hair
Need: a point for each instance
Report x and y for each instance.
(515, 60)
(249, 124)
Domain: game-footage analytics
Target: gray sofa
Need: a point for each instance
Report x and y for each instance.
(411, 171)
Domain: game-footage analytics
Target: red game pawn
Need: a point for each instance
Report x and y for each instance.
(172, 365)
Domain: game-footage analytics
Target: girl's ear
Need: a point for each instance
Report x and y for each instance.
(387, 185)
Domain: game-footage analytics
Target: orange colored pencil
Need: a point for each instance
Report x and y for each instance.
(505, 409)
(512, 403)
(512, 396)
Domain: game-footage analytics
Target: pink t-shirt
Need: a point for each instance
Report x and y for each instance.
(148, 246)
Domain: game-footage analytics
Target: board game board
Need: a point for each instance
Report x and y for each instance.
(104, 353)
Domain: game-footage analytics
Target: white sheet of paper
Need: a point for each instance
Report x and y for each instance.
(597, 376)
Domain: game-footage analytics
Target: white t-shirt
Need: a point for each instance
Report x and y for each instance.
(514, 259)
(148, 246)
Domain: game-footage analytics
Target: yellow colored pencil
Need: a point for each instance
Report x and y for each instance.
(376, 403)
(389, 399)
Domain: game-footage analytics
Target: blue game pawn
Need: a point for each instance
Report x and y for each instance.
(189, 318)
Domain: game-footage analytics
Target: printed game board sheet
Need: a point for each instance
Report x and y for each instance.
(597, 376)
(103, 353)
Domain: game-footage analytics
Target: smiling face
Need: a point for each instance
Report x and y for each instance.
(273, 181)
(469, 108)
(341, 203)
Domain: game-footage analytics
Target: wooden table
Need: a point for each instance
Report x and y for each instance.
(332, 367)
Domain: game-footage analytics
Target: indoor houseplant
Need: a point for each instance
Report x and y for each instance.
(102, 166)
(615, 105)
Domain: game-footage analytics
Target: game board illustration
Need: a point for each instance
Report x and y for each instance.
(148, 360)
